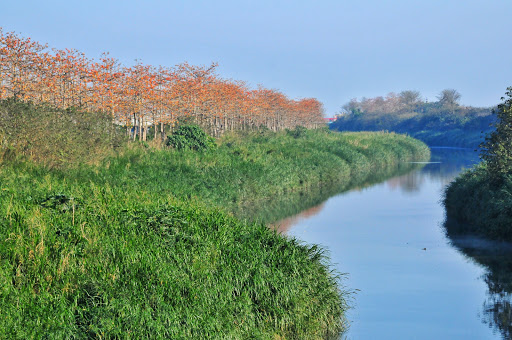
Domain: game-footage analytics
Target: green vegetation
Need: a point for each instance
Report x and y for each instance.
(120, 265)
(55, 137)
(190, 137)
(480, 200)
(272, 209)
(440, 123)
(497, 149)
(135, 245)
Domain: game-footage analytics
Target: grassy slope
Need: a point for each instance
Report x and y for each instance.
(131, 249)
(250, 168)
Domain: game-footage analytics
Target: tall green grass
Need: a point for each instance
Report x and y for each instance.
(249, 168)
(107, 263)
(139, 247)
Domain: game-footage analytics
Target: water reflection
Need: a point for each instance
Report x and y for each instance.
(283, 225)
(496, 258)
(445, 164)
(412, 282)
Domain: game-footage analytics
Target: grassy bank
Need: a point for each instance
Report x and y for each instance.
(246, 170)
(114, 264)
(134, 245)
(476, 204)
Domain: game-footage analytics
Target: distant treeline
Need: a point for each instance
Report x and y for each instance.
(142, 95)
(441, 123)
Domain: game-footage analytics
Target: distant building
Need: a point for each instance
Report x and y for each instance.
(329, 120)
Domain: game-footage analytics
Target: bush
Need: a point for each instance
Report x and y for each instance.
(480, 200)
(298, 132)
(476, 204)
(55, 137)
(191, 137)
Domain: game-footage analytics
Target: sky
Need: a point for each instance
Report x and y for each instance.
(327, 49)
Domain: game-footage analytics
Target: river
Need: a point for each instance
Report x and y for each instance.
(409, 280)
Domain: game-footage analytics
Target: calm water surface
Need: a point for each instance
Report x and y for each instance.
(412, 281)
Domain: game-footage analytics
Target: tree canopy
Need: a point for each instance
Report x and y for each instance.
(142, 94)
(449, 99)
(497, 148)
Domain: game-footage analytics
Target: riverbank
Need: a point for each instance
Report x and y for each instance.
(247, 169)
(475, 204)
(480, 200)
(137, 246)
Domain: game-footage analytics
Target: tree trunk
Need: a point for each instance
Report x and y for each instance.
(134, 126)
(162, 131)
(144, 129)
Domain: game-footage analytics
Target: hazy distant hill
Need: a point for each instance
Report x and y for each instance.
(440, 123)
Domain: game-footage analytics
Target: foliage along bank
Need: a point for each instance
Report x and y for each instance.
(440, 123)
(134, 245)
(480, 200)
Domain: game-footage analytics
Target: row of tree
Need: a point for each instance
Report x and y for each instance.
(142, 95)
(442, 122)
(405, 101)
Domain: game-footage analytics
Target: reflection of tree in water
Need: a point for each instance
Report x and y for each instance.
(408, 183)
(285, 224)
(498, 311)
(445, 164)
(496, 257)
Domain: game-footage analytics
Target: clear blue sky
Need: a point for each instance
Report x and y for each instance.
(331, 50)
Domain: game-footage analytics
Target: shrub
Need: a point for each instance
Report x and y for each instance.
(298, 132)
(191, 137)
(55, 137)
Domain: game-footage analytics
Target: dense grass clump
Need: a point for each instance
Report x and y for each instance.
(118, 265)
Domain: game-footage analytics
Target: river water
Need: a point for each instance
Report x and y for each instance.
(410, 280)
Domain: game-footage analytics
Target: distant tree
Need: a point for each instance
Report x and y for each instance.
(449, 99)
(497, 148)
(392, 103)
(409, 99)
(352, 107)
